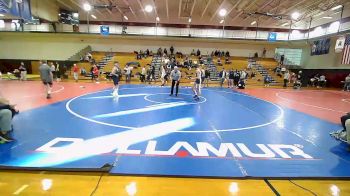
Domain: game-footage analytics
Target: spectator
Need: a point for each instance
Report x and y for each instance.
(207, 76)
(263, 53)
(95, 73)
(171, 50)
(58, 72)
(222, 76)
(127, 71)
(282, 59)
(159, 52)
(23, 72)
(53, 70)
(347, 83)
(286, 78)
(193, 53)
(314, 80)
(75, 72)
(267, 80)
(83, 71)
(322, 81)
(143, 74)
(219, 62)
(165, 51)
(7, 112)
(227, 54)
(256, 55)
(231, 76)
(236, 77)
(241, 84)
(198, 52)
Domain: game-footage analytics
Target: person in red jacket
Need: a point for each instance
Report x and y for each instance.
(75, 72)
(95, 73)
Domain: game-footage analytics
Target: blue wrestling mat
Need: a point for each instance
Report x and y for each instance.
(147, 132)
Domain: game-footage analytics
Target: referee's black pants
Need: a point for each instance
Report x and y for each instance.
(172, 87)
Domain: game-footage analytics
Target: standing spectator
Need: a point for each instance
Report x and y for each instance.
(75, 72)
(171, 50)
(230, 78)
(165, 51)
(198, 52)
(159, 52)
(175, 77)
(286, 78)
(152, 73)
(163, 74)
(207, 76)
(127, 71)
(46, 77)
(23, 72)
(222, 76)
(236, 77)
(58, 72)
(95, 73)
(143, 74)
(264, 53)
(347, 83)
(282, 59)
(53, 70)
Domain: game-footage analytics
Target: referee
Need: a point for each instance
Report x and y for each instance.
(175, 76)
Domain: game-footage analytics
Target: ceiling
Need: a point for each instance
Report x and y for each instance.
(206, 12)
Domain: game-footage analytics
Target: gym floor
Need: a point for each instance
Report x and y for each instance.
(228, 142)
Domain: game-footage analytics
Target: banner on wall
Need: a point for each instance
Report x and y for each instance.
(272, 37)
(320, 47)
(19, 8)
(346, 53)
(104, 30)
(339, 44)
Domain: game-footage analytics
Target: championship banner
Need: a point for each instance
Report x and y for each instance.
(339, 45)
(320, 47)
(19, 8)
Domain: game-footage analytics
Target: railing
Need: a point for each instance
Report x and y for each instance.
(77, 56)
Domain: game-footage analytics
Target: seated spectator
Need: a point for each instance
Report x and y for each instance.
(322, 81)
(267, 80)
(227, 60)
(219, 62)
(314, 80)
(241, 84)
(193, 53)
(83, 71)
(227, 54)
(7, 112)
(198, 52)
(347, 83)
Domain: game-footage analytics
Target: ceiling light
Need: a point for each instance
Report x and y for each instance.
(148, 8)
(189, 20)
(126, 18)
(295, 15)
(336, 7)
(327, 17)
(94, 16)
(253, 23)
(284, 24)
(87, 7)
(222, 12)
(1, 15)
(157, 19)
(75, 15)
(222, 21)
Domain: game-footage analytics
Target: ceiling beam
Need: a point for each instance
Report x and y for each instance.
(155, 8)
(65, 5)
(205, 9)
(194, 4)
(79, 7)
(260, 9)
(180, 4)
(217, 10)
(167, 9)
(141, 6)
(131, 10)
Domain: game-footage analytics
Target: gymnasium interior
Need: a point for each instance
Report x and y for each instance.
(260, 106)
